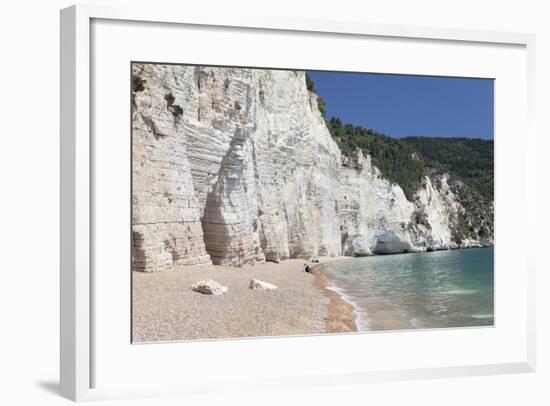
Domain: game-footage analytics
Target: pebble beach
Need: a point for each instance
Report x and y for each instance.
(165, 308)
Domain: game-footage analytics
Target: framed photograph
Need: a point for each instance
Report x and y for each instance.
(267, 203)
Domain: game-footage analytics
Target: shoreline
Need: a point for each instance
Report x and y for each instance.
(342, 315)
(166, 309)
(426, 251)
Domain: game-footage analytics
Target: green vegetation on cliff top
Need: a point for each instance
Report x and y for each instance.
(405, 161)
(470, 159)
(395, 159)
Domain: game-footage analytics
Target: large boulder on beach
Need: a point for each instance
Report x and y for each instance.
(209, 287)
(258, 284)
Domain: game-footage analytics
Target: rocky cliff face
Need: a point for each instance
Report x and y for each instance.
(233, 166)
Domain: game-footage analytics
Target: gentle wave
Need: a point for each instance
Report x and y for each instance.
(359, 324)
(482, 316)
(427, 290)
(462, 292)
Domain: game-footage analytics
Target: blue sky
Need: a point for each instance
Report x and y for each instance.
(402, 105)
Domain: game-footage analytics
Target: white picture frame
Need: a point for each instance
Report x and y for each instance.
(78, 351)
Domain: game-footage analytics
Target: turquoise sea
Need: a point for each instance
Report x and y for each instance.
(421, 290)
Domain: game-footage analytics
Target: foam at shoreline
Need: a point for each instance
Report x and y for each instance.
(361, 319)
(342, 313)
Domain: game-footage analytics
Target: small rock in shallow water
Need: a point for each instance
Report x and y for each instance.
(209, 287)
(258, 284)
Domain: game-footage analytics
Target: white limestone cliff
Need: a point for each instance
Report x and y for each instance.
(234, 166)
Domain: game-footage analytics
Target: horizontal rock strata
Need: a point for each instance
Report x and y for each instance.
(235, 166)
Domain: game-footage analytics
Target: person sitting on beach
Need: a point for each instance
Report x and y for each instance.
(307, 268)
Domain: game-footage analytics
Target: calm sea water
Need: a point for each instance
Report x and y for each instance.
(424, 290)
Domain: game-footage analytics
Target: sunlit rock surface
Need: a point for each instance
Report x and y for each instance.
(235, 166)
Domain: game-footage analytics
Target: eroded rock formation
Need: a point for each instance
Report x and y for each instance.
(234, 166)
